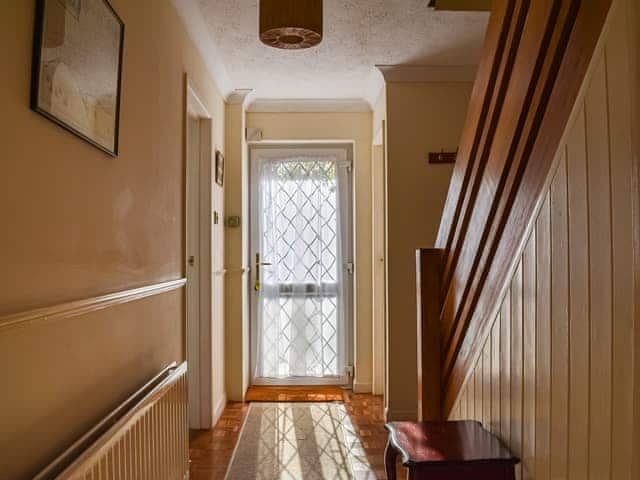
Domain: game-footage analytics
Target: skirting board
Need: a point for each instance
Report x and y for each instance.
(218, 409)
(361, 387)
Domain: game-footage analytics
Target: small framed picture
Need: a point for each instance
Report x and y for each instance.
(77, 68)
(219, 168)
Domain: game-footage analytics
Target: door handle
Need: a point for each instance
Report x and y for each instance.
(259, 264)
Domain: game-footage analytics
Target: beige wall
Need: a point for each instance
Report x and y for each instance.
(379, 116)
(340, 126)
(555, 378)
(236, 313)
(77, 224)
(421, 118)
(218, 288)
(379, 243)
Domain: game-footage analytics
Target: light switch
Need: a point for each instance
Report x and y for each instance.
(233, 221)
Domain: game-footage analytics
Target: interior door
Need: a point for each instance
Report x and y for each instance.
(202, 383)
(302, 247)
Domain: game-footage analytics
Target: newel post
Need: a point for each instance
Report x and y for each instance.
(428, 276)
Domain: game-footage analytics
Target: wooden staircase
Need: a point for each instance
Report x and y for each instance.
(529, 306)
(536, 56)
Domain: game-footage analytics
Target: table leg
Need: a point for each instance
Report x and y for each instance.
(390, 455)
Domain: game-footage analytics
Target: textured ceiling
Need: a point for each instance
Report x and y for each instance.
(359, 34)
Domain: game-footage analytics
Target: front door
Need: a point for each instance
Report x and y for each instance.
(302, 273)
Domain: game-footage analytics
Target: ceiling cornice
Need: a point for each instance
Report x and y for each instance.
(193, 21)
(240, 96)
(427, 73)
(309, 105)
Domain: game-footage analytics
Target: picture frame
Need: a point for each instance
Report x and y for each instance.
(74, 6)
(76, 75)
(219, 168)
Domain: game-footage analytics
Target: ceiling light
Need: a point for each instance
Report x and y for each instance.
(291, 24)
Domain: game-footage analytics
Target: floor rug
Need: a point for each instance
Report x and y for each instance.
(294, 394)
(298, 441)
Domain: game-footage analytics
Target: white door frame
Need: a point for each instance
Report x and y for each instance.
(379, 249)
(198, 155)
(350, 297)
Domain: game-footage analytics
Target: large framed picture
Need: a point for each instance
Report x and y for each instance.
(77, 68)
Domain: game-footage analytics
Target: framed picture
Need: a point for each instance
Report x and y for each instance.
(77, 68)
(219, 168)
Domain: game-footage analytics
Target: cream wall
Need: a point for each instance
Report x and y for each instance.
(379, 243)
(340, 126)
(78, 224)
(421, 118)
(555, 378)
(379, 116)
(236, 256)
(218, 288)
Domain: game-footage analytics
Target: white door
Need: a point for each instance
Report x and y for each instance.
(199, 146)
(302, 274)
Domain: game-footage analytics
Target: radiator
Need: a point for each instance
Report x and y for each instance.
(146, 438)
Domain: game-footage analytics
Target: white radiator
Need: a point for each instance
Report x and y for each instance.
(146, 438)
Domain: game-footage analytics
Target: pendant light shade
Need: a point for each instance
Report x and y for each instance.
(291, 24)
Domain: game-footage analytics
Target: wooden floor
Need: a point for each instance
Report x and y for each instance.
(210, 450)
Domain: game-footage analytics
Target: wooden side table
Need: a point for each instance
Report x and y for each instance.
(447, 451)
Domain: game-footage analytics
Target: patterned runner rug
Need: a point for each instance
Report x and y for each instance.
(298, 441)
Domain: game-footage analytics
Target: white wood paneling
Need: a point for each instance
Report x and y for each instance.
(560, 325)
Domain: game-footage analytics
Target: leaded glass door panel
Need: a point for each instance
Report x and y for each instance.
(301, 247)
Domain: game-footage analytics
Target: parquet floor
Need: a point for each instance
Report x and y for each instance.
(210, 450)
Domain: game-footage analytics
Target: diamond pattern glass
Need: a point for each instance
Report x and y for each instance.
(300, 301)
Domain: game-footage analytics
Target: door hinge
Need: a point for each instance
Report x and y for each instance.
(350, 268)
(349, 371)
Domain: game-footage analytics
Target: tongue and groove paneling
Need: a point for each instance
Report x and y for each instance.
(568, 318)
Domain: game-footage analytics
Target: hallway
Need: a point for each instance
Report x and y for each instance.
(295, 239)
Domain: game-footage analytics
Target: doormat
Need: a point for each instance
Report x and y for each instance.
(294, 394)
